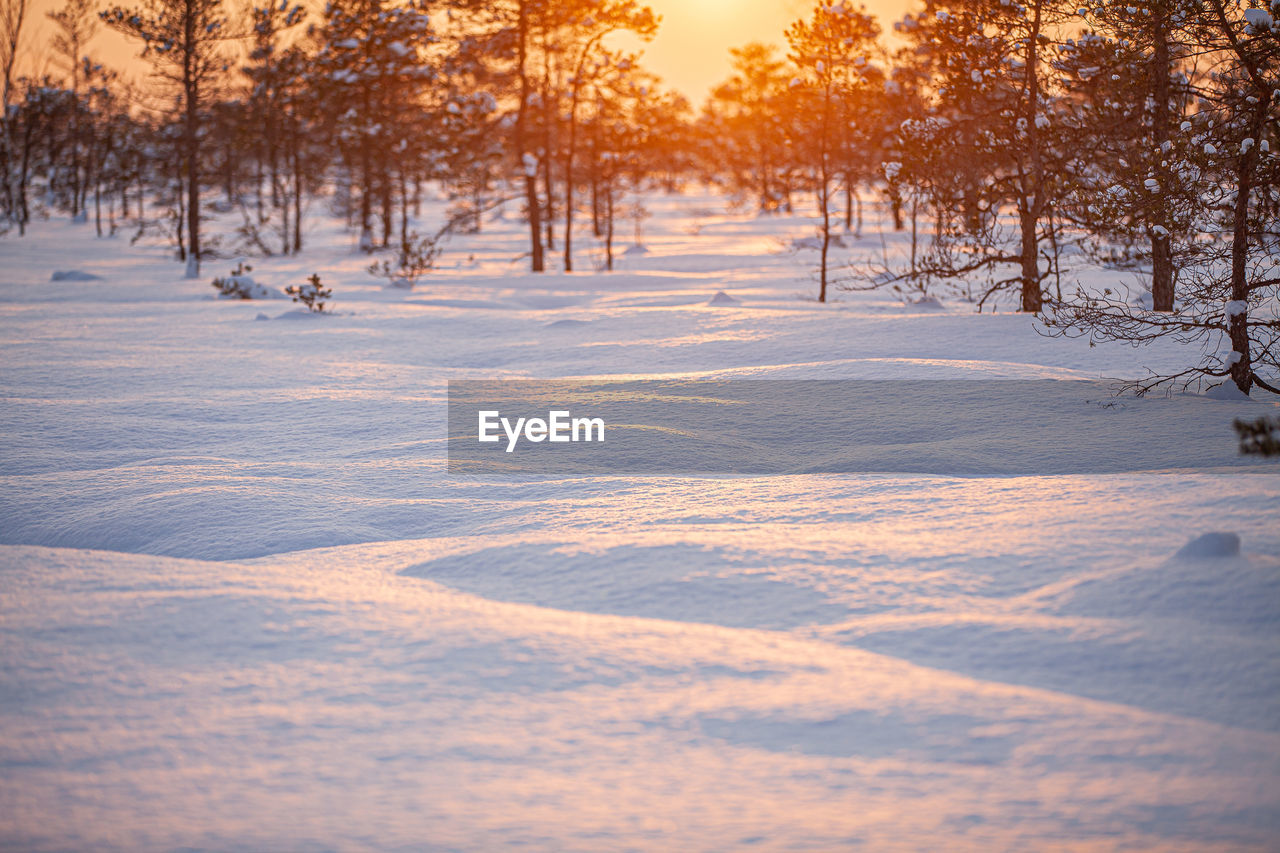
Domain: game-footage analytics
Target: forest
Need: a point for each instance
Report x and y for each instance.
(1012, 141)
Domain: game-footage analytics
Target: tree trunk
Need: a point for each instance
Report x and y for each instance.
(1032, 300)
(570, 153)
(848, 202)
(1161, 254)
(76, 189)
(24, 176)
(824, 192)
(915, 206)
(548, 188)
(404, 216)
(191, 87)
(388, 211)
(529, 169)
(1238, 325)
(568, 195)
(179, 191)
(826, 237)
(297, 199)
(608, 227)
(1032, 201)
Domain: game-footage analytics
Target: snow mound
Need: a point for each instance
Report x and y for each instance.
(925, 303)
(675, 581)
(400, 284)
(568, 324)
(1211, 545)
(302, 314)
(722, 298)
(836, 242)
(244, 287)
(1226, 391)
(261, 316)
(636, 250)
(74, 275)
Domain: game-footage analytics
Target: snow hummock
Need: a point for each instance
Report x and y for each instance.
(926, 302)
(1211, 545)
(722, 298)
(246, 287)
(74, 275)
(1227, 390)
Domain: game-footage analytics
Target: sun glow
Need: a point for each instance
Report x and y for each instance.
(691, 50)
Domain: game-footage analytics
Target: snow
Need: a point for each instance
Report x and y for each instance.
(1226, 390)
(244, 605)
(74, 275)
(241, 286)
(1258, 19)
(1211, 545)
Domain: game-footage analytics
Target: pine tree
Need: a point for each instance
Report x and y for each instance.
(988, 143)
(831, 51)
(370, 73)
(743, 128)
(183, 40)
(76, 24)
(579, 41)
(275, 72)
(1133, 98)
(13, 15)
(1222, 179)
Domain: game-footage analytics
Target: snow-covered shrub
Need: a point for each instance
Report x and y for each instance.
(240, 285)
(312, 294)
(417, 257)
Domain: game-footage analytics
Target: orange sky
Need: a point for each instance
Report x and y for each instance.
(690, 52)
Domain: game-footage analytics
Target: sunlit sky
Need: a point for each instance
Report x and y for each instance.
(690, 52)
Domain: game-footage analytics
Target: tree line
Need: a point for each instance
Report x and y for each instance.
(1016, 141)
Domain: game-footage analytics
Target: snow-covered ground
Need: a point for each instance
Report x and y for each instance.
(244, 605)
